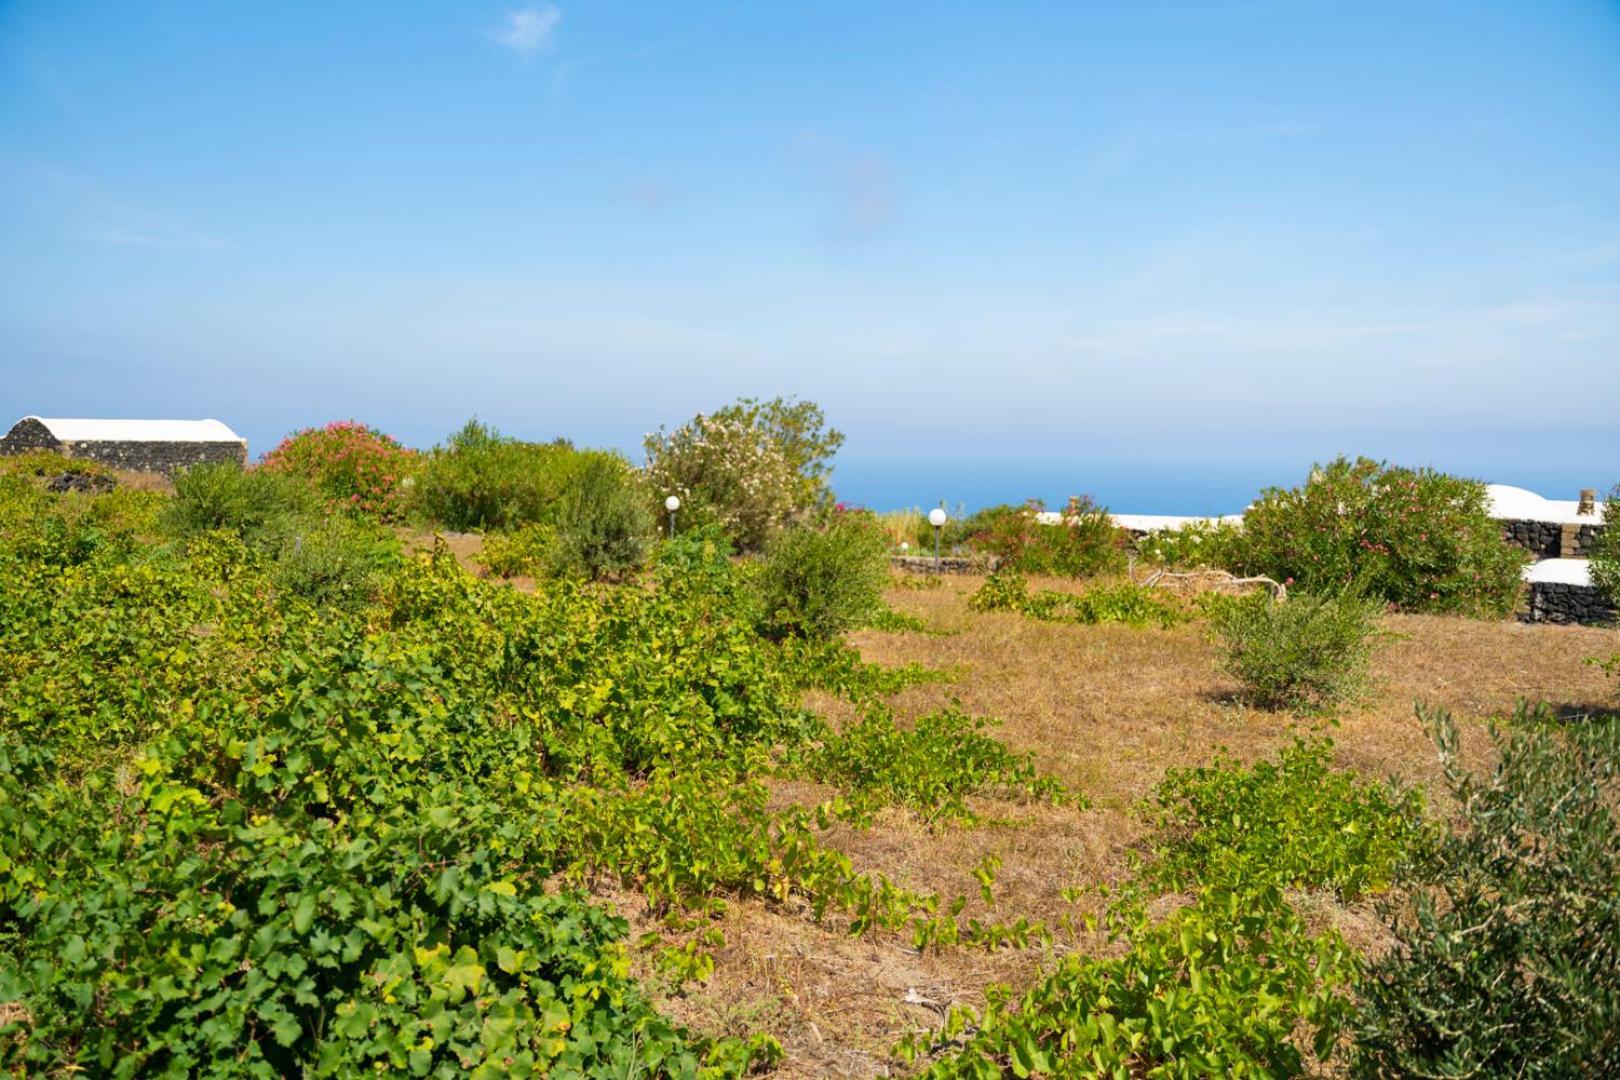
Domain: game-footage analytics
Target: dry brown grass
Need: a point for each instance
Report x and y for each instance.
(1105, 709)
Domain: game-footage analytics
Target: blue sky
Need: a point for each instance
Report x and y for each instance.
(1212, 234)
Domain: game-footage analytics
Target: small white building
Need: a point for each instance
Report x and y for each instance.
(158, 446)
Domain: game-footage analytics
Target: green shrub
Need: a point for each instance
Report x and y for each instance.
(1227, 986)
(750, 468)
(351, 466)
(1122, 602)
(1507, 956)
(1210, 545)
(604, 526)
(1305, 652)
(1605, 553)
(1293, 822)
(523, 552)
(251, 503)
(1416, 538)
(1087, 541)
(332, 560)
(931, 767)
(482, 480)
(819, 582)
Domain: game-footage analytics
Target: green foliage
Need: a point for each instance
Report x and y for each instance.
(931, 767)
(749, 467)
(524, 551)
(1416, 538)
(1295, 822)
(799, 429)
(1210, 545)
(482, 480)
(1605, 553)
(351, 466)
(1507, 960)
(1085, 543)
(1305, 652)
(245, 830)
(1220, 988)
(819, 582)
(333, 560)
(603, 526)
(1124, 602)
(254, 504)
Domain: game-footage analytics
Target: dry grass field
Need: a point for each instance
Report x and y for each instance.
(1105, 709)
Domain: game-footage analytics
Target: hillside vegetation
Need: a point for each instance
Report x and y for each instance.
(291, 786)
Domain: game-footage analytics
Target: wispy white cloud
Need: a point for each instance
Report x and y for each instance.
(527, 29)
(166, 239)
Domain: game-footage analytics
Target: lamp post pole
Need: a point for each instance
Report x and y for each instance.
(937, 518)
(672, 504)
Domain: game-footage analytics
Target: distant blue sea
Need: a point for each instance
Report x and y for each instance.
(1135, 487)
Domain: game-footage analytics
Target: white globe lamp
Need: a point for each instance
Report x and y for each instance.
(672, 504)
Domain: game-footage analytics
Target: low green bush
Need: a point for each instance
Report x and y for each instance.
(523, 552)
(251, 503)
(1292, 822)
(1416, 538)
(1507, 952)
(819, 582)
(604, 528)
(482, 480)
(1306, 652)
(932, 766)
(1230, 985)
(1087, 542)
(1122, 602)
(332, 560)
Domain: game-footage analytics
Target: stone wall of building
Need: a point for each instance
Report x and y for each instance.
(1559, 602)
(156, 457)
(1552, 540)
(28, 434)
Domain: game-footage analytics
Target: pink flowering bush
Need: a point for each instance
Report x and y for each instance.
(350, 465)
(1415, 538)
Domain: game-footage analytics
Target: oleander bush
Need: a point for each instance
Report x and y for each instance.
(818, 581)
(351, 467)
(750, 468)
(1197, 545)
(1419, 539)
(1306, 652)
(1507, 950)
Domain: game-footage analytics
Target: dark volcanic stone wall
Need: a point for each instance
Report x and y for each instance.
(157, 457)
(1558, 602)
(1551, 540)
(28, 434)
(1540, 538)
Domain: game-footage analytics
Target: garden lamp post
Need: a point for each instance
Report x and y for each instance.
(672, 504)
(937, 518)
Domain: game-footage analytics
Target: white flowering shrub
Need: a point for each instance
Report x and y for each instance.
(727, 473)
